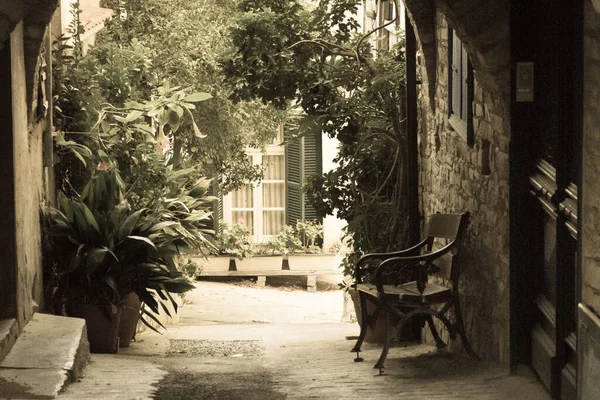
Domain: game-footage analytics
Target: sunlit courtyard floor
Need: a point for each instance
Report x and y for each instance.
(240, 342)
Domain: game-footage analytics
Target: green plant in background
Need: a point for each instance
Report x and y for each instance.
(309, 232)
(302, 238)
(189, 267)
(283, 241)
(75, 29)
(294, 54)
(181, 54)
(234, 240)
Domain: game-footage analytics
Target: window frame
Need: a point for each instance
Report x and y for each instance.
(386, 13)
(256, 155)
(462, 124)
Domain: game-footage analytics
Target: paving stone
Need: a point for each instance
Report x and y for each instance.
(297, 360)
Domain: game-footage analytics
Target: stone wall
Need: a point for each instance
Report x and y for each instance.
(588, 335)
(591, 159)
(23, 25)
(455, 178)
(28, 186)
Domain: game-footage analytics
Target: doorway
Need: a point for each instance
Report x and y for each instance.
(8, 271)
(545, 173)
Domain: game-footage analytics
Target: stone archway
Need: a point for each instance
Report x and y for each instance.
(35, 14)
(482, 25)
(422, 17)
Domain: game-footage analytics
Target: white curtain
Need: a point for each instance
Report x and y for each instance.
(242, 207)
(273, 187)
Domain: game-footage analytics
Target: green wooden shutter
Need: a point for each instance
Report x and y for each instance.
(456, 105)
(217, 205)
(464, 78)
(303, 157)
(313, 165)
(293, 181)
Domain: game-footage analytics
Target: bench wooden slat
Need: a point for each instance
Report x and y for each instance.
(408, 292)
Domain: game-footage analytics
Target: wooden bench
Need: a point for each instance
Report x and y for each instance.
(311, 276)
(419, 297)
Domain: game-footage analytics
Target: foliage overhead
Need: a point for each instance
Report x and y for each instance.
(292, 54)
(151, 44)
(185, 39)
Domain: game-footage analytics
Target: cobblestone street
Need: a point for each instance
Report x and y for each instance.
(237, 342)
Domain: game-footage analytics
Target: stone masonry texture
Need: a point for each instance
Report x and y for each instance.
(23, 25)
(452, 174)
(591, 155)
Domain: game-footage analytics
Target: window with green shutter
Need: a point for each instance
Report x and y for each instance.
(460, 88)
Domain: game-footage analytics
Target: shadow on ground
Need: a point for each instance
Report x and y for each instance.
(178, 385)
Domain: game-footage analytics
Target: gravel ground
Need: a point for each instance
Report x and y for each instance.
(214, 348)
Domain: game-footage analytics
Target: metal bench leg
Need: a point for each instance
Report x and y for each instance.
(387, 340)
(439, 343)
(364, 325)
(460, 328)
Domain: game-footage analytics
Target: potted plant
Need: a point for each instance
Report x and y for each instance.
(100, 249)
(303, 251)
(234, 250)
(233, 241)
(265, 257)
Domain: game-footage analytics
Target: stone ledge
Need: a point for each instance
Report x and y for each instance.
(8, 335)
(50, 352)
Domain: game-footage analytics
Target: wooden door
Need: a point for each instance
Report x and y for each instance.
(553, 335)
(545, 175)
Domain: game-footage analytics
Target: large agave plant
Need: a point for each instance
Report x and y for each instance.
(100, 249)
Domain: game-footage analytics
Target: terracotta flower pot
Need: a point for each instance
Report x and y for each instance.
(130, 315)
(375, 333)
(101, 330)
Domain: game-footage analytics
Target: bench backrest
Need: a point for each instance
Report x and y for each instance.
(447, 228)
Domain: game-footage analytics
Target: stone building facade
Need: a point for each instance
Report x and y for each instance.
(458, 177)
(589, 306)
(591, 157)
(25, 130)
(527, 171)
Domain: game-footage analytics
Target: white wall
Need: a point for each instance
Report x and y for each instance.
(332, 226)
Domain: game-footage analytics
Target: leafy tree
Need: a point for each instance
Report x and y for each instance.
(185, 39)
(313, 56)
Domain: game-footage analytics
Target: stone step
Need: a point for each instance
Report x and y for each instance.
(50, 353)
(8, 335)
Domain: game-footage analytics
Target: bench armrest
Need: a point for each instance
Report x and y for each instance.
(385, 256)
(420, 263)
